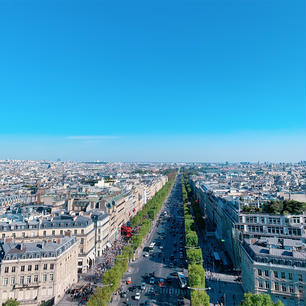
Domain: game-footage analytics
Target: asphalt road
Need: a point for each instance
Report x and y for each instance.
(169, 236)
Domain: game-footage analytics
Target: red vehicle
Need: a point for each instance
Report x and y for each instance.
(126, 231)
(161, 282)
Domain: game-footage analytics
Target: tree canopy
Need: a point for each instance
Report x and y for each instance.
(11, 302)
(284, 207)
(259, 300)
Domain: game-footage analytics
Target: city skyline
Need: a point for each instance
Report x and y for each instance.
(176, 81)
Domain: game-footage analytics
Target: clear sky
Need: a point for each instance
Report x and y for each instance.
(154, 80)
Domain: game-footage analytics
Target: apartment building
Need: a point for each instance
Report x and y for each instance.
(56, 227)
(35, 272)
(117, 208)
(283, 226)
(102, 232)
(230, 224)
(275, 266)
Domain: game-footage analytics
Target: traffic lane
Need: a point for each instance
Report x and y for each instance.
(162, 269)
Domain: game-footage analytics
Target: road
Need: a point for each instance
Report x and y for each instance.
(168, 233)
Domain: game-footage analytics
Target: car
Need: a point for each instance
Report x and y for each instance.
(123, 294)
(151, 290)
(146, 254)
(161, 247)
(171, 265)
(143, 286)
(152, 280)
(137, 296)
(161, 282)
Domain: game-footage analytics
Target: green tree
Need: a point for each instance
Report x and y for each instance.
(11, 302)
(199, 298)
(259, 300)
(196, 275)
(192, 239)
(194, 256)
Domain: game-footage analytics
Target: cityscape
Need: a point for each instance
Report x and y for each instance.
(98, 233)
(153, 153)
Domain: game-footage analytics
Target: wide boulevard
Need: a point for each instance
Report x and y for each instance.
(153, 274)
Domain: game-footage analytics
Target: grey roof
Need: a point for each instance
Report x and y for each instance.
(14, 250)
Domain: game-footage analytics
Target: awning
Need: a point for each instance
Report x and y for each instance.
(109, 245)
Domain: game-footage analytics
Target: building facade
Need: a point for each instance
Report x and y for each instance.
(33, 273)
(277, 267)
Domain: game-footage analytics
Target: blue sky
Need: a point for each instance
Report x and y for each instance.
(154, 80)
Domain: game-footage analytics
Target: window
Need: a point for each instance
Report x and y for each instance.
(82, 251)
(75, 232)
(3, 236)
(36, 267)
(45, 266)
(82, 231)
(6, 269)
(29, 267)
(275, 274)
(266, 273)
(82, 240)
(291, 289)
(276, 286)
(53, 233)
(45, 233)
(283, 275)
(35, 279)
(51, 266)
(267, 285)
(290, 275)
(13, 269)
(23, 234)
(5, 281)
(300, 277)
(61, 232)
(51, 277)
(29, 279)
(260, 285)
(301, 289)
(259, 272)
(21, 280)
(22, 268)
(45, 277)
(12, 280)
(284, 289)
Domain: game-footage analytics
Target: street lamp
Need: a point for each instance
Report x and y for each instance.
(199, 289)
(192, 262)
(192, 247)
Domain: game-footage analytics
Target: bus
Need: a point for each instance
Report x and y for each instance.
(182, 280)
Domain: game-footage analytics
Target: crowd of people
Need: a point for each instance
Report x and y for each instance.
(105, 262)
